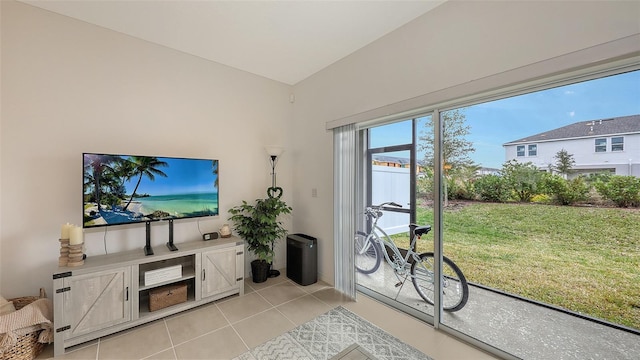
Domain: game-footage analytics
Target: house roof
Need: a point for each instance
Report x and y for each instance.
(390, 159)
(394, 159)
(590, 128)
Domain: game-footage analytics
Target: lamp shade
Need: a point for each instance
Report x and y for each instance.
(274, 150)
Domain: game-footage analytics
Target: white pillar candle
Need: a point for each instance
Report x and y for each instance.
(76, 236)
(64, 234)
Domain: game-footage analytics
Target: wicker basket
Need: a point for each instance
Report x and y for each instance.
(168, 295)
(27, 346)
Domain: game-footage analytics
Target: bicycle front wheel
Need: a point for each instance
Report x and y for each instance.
(455, 290)
(367, 254)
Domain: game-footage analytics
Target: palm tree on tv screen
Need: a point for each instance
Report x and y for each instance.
(99, 173)
(146, 166)
(214, 166)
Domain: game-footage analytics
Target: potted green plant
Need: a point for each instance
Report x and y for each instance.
(259, 226)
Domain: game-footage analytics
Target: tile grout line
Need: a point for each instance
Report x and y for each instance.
(258, 292)
(173, 346)
(233, 328)
(285, 282)
(229, 322)
(296, 298)
(202, 335)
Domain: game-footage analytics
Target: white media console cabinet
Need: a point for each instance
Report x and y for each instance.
(109, 292)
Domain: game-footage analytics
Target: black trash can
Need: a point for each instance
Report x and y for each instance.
(302, 259)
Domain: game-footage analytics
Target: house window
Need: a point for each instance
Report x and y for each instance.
(520, 150)
(601, 145)
(533, 150)
(617, 143)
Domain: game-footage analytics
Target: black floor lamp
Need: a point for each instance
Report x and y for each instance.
(274, 191)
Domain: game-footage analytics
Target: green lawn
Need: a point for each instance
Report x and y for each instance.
(583, 259)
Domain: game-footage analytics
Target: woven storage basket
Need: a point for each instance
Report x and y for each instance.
(27, 346)
(168, 295)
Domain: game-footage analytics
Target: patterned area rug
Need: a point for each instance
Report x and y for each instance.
(328, 335)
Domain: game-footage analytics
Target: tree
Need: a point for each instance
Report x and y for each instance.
(259, 226)
(124, 171)
(214, 169)
(99, 173)
(146, 166)
(564, 162)
(455, 147)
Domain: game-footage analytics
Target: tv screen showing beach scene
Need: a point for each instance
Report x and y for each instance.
(125, 189)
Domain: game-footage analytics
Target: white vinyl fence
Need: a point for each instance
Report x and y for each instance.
(392, 184)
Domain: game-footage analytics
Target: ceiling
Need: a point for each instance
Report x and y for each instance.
(286, 41)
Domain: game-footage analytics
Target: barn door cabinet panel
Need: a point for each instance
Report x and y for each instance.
(96, 301)
(222, 272)
(111, 293)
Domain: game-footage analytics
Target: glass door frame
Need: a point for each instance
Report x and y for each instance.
(411, 147)
(363, 177)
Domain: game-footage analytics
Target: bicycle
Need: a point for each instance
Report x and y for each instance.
(369, 252)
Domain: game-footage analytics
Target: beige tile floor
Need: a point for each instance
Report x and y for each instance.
(232, 326)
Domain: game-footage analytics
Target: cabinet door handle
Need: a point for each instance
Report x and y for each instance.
(127, 298)
(204, 274)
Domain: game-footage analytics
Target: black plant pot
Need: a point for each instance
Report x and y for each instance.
(259, 270)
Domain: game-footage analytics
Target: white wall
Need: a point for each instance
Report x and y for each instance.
(62, 79)
(70, 87)
(0, 150)
(458, 42)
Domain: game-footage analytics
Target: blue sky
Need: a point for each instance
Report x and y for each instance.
(497, 122)
(184, 176)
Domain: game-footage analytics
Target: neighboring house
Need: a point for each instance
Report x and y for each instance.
(611, 145)
(487, 171)
(394, 161)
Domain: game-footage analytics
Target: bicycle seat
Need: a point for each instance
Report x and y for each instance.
(421, 230)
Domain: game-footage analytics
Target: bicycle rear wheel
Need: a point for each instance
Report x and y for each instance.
(367, 254)
(455, 290)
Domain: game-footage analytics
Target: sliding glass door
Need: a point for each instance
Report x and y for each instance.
(523, 195)
(528, 218)
(389, 177)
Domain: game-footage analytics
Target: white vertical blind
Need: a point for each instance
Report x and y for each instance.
(344, 163)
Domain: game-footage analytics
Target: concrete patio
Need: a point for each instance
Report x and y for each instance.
(523, 329)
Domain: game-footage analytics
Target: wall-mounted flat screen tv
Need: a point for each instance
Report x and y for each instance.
(125, 189)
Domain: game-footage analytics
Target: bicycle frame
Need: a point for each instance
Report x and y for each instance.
(454, 285)
(385, 240)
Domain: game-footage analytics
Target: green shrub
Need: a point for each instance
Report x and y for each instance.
(578, 190)
(601, 176)
(542, 199)
(491, 188)
(624, 191)
(425, 186)
(460, 189)
(565, 192)
(523, 179)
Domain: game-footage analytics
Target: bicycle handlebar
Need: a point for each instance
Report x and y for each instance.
(394, 204)
(375, 210)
